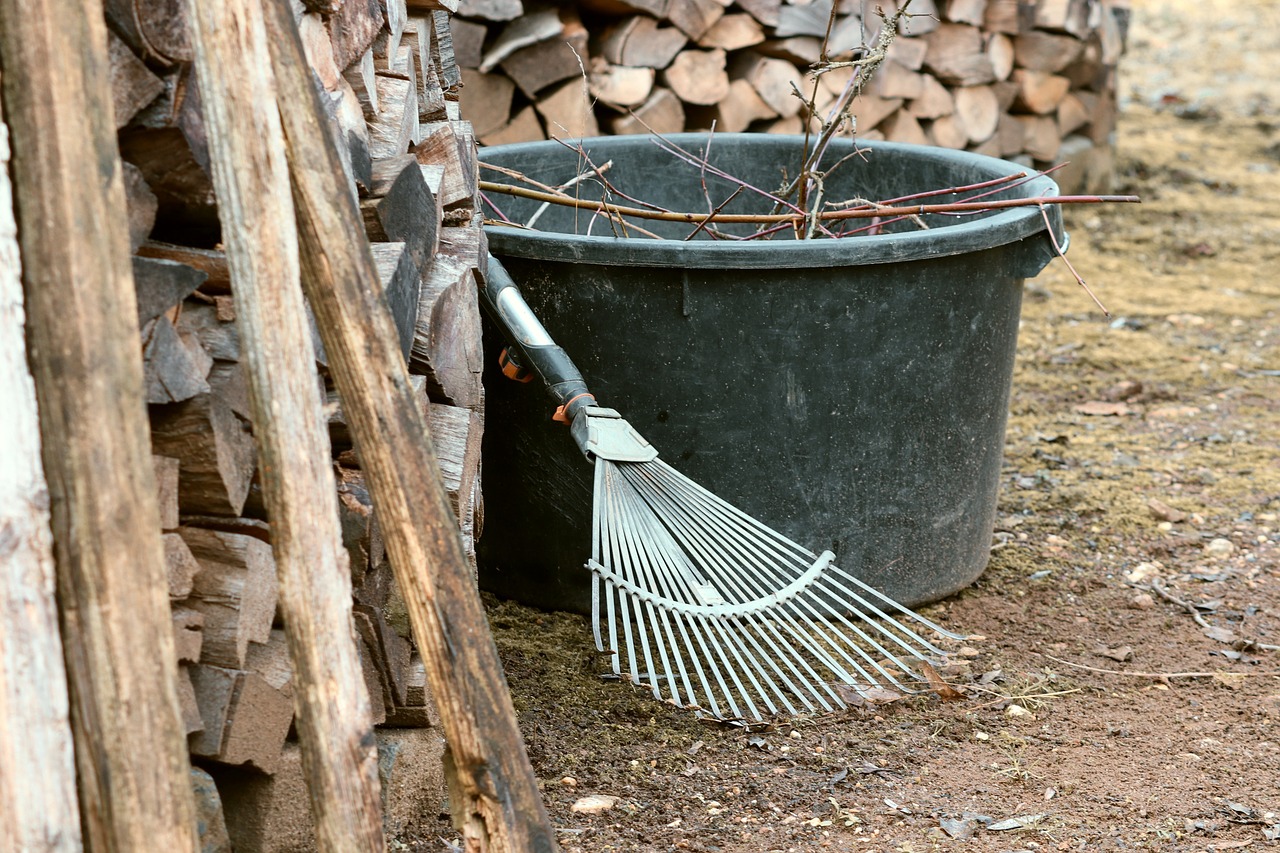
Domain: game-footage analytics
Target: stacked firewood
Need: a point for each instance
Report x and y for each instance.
(392, 84)
(1027, 80)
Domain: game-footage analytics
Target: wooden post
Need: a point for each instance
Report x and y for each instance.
(250, 176)
(494, 794)
(38, 787)
(131, 750)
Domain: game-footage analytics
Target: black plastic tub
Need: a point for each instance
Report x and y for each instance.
(849, 393)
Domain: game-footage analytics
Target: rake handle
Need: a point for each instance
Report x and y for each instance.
(522, 329)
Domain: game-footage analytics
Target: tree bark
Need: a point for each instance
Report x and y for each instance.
(251, 177)
(131, 753)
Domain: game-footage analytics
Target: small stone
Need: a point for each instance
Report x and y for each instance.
(569, 782)
(1219, 548)
(981, 736)
(795, 734)
(1142, 601)
(1017, 711)
(968, 652)
(1144, 572)
(594, 804)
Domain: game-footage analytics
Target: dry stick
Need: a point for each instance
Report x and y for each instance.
(1159, 675)
(835, 215)
(1159, 590)
(569, 183)
(37, 807)
(493, 791)
(1057, 247)
(251, 177)
(130, 747)
(712, 214)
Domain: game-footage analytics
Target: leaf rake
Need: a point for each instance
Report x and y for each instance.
(712, 609)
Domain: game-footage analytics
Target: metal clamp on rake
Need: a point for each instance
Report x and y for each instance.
(713, 610)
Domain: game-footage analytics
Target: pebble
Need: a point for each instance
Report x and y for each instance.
(569, 782)
(1144, 572)
(968, 652)
(1017, 711)
(1142, 601)
(1220, 548)
(594, 804)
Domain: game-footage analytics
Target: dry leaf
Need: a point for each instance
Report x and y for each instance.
(1121, 654)
(945, 691)
(1230, 679)
(1222, 635)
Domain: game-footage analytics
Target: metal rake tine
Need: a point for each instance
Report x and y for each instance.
(893, 605)
(887, 618)
(752, 667)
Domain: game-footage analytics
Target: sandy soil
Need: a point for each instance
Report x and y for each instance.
(1141, 447)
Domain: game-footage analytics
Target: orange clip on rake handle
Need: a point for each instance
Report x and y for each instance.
(513, 369)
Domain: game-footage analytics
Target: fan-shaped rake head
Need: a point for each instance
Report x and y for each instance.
(713, 610)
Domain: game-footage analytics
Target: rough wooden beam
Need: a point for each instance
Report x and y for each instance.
(494, 791)
(135, 791)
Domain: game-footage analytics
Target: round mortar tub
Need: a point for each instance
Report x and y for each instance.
(850, 393)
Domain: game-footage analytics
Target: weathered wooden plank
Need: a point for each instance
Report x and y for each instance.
(255, 205)
(38, 810)
(130, 751)
(502, 809)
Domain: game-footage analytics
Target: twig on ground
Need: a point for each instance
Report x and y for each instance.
(1161, 676)
(1245, 642)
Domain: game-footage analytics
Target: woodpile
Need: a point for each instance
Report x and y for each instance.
(391, 85)
(1033, 81)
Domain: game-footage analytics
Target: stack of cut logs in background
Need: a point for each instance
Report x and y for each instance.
(1028, 80)
(393, 86)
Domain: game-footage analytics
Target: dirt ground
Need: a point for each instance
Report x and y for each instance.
(1142, 448)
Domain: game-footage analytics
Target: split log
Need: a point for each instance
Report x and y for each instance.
(216, 449)
(1002, 54)
(389, 652)
(246, 719)
(1010, 138)
(133, 86)
(908, 52)
(1068, 16)
(451, 144)
(167, 472)
(190, 709)
(212, 263)
(871, 110)
(141, 205)
(522, 32)
(1047, 52)
(396, 126)
(662, 112)
(431, 102)
(467, 245)
(798, 50)
(468, 42)
(934, 101)
(957, 57)
(773, 79)
(978, 110)
(695, 17)
(401, 284)
(618, 87)
(971, 12)
(1039, 92)
(188, 633)
(504, 809)
(39, 807)
(1006, 16)
(319, 48)
(948, 132)
(161, 284)
(641, 42)
(172, 370)
(130, 750)
(524, 127)
(492, 10)
(443, 55)
(766, 12)
(902, 126)
(1072, 114)
(403, 208)
(809, 19)
(362, 77)
(360, 535)
(896, 81)
(698, 76)
(446, 344)
(181, 565)
(561, 57)
(735, 112)
(158, 31)
(733, 32)
(419, 709)
(486, 101)
(235, 589)
(352, 30)
(1040, 136)
(351, 134)
(566, 111)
